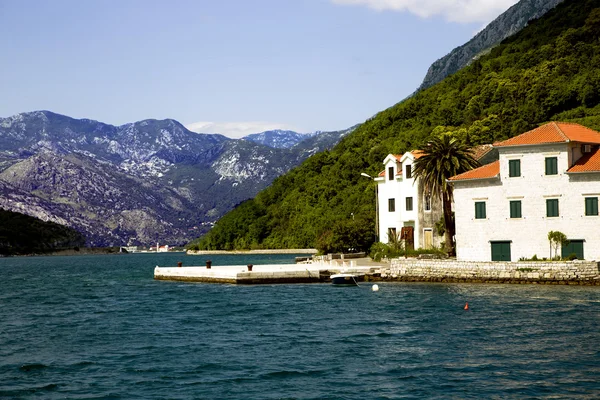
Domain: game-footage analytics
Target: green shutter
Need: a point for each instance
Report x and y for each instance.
(551, 166)
(591, 206)
(573, 247)
(496, 252)
(514, 168)
(480, 210)
(552, 208)
(515, 209)
(500, 251)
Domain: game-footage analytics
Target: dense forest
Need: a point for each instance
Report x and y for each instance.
(548, 71)
(22, 234)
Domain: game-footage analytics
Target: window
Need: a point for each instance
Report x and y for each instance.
(551, 166)
(515, 209)
(591, 206)
(514, 168)
(408, 171)
(480, 210)
(552, 208)
(391, 205)
(409, 204)
(427, 202)
(391, 173)
(392, 236)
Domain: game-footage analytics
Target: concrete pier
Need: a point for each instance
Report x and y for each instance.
(262, 274)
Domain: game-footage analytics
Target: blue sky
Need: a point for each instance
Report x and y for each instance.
(229, 66)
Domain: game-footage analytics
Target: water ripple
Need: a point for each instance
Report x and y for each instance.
(101, 327)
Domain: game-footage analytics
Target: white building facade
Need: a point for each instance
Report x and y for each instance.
(547, 179)
(404, 209)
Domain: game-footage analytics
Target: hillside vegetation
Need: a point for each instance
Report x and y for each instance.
(22, 234)
(548, 71)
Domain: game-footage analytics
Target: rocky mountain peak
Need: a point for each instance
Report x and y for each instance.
(507, 24)
(279, 138)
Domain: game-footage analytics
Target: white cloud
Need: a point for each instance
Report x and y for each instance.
(462, 11)
(236, 130)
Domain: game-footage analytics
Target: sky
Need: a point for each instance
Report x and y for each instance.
(227, 66)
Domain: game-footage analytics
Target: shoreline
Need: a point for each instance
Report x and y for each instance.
(242, 252)
(83, 251)
(584, 273)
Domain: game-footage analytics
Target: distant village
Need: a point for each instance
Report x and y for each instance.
(152, 249)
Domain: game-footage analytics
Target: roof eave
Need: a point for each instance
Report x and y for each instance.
(583, 172)
(530, 145)
(475, 179)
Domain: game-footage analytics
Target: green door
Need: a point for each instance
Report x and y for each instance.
(573, 247)
(500, 251)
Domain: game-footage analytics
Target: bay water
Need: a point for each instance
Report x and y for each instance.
(100, 327)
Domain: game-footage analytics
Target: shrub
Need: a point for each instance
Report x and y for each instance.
(534, 258)
(381, 250)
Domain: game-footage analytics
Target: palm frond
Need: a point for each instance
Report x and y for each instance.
(443, 157)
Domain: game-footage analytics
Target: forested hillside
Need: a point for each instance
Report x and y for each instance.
(507, 24)
(548, 71)
(22, 234)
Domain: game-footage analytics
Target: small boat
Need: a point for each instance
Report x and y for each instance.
(344, 279)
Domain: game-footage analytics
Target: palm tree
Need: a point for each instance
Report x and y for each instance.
(443, 157)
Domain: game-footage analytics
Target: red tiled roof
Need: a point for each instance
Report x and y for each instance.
(479, 151)
(588, 163)
(382, 173)
(417, 154)
(486, 171)
(398, 157)
(554, 132)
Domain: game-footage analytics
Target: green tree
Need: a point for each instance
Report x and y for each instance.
(443, 157)
(557, 240)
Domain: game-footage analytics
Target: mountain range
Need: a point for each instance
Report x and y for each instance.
(141, 182)
(154, 180)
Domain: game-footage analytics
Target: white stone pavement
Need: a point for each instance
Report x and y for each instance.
(268, 273)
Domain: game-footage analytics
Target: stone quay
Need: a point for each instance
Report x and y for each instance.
(577, 272)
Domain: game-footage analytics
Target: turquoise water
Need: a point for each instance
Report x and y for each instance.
(99, 327)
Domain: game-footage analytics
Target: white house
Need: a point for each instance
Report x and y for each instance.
(401, 203)
(547, 179)
(404, 208)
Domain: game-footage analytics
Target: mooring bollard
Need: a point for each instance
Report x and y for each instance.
(208, 264)
(179, 264)
(249, 267)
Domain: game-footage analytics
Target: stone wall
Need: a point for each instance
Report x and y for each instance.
(559, 273)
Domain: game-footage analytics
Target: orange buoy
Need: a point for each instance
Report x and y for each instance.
(467, 306)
